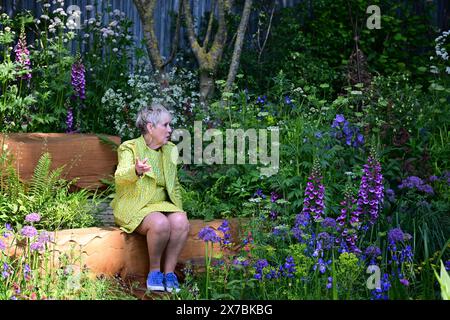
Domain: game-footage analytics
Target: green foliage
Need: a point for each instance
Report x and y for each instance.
(48, 195)
(348, 271)
(444, 281)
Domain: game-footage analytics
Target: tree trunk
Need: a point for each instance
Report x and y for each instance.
(238, 45)
(206, 86)
(146, 8)
(207, 59)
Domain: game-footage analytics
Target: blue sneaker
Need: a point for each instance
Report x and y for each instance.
(155, 281)
(172, 282)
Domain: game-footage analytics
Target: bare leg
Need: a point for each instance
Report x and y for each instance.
(156, 228)
(179, 228)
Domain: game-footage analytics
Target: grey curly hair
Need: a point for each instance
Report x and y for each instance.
(151, 115)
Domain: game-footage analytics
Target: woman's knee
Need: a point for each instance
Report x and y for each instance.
(179, 222)
(158, 223)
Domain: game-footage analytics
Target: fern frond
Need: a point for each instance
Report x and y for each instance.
(105, 140)
(39, 182)
(14, 187)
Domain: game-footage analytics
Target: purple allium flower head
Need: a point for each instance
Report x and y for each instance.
(208, 234)
(23, 55)
(373, 251)
(29, 231)
(329, 223)
(395, 235)
(33, 217)
(45, 237)
(414, 182)
(2, 245)
(37, 246)
(78, 79)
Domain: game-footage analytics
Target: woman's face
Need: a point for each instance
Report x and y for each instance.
(161, 132)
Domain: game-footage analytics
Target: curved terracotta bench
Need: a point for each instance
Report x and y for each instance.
(110, 251)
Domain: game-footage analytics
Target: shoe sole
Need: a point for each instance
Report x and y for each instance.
(155, 288)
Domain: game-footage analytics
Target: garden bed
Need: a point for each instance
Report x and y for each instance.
(111, 252)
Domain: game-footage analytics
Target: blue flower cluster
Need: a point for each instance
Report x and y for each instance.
(285, 270)
(372, 253)
(208, 234)
(225, 228)
(382, 292)
(343, 130)
(414, 182)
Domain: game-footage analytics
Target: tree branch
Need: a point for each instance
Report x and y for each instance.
(146, 9)
(238, 44)
(195, 46)
(210, 23)
(220, 37)
(267, 34)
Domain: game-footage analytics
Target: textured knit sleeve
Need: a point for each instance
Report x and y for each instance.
(125, 172)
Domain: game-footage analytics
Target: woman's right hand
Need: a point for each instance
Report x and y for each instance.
(141, 166)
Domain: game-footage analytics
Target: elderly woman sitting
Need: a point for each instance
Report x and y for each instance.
(148, 197)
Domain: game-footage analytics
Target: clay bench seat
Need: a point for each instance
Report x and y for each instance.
(112, 252)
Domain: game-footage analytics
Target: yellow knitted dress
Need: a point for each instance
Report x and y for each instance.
(151, 196)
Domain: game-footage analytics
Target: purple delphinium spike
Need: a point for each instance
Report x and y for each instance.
(371, 191)
(225, 228)
(313, 203)
(69, 121)
(23, 55)
(78, 79)
(348, 222)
